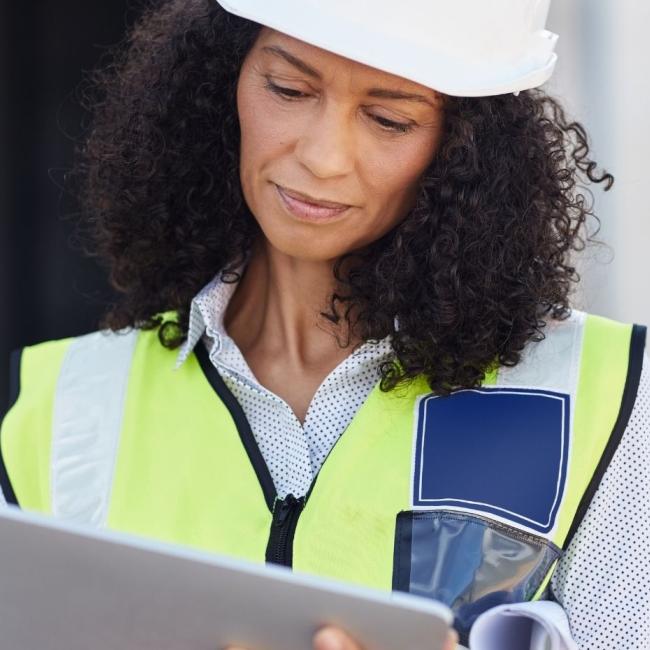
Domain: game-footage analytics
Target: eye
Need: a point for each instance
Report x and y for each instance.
(389, 125)
(285, 93)
(290, 94)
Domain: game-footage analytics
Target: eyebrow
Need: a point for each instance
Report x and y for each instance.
(293, 60)
(383, 93)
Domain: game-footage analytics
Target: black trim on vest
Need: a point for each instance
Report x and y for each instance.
(241, 422)
(14, 391)
(635, 365)
(279, 549)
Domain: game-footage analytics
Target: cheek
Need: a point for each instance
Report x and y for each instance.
(392, 180)
(391, 184)
(261, 132)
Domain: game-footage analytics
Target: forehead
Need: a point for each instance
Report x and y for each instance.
(332, 66)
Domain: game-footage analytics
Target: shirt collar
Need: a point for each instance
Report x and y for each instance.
(207, 314)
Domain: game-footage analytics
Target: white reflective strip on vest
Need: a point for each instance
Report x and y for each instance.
(86, 424)
(553, 363)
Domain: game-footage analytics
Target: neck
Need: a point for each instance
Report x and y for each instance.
(275, 310)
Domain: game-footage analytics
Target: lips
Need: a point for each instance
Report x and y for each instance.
(306, 211)
(305, 198)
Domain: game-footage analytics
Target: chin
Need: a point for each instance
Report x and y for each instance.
(308, 251)
(307, 248)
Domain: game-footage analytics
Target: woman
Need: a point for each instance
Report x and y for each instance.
(329, 270)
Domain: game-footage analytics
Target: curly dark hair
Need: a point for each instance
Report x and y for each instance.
(469, 276)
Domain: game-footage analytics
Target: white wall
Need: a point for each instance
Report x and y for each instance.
(603, 75)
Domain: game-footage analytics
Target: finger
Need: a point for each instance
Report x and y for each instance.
(333, 638)
(452, 641)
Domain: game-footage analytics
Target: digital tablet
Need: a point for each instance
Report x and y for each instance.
(65, 587)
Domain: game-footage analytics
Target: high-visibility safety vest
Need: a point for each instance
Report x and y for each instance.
(469, 499)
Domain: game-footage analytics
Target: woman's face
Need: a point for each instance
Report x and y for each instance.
(319, 126)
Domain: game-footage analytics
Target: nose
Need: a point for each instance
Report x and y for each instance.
(327, 145)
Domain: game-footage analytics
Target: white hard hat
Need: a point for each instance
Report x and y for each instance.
(469, 48)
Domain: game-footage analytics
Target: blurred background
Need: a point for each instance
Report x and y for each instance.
(47, 290)
(602, 76)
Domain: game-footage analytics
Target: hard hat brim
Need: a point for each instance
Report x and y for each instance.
(409, 60)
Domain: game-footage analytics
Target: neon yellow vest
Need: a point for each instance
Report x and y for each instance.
(469, 499)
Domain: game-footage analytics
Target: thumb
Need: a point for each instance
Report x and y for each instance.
(452, 640)
(332, 638)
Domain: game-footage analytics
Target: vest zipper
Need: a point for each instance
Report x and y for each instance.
(283, 527)
(286, 512)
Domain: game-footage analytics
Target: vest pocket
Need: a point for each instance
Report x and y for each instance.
(468, 562)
